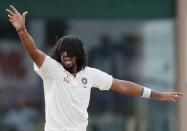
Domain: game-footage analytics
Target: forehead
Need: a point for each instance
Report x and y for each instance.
(66, 54)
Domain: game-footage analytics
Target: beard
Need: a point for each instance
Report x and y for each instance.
(69, 68)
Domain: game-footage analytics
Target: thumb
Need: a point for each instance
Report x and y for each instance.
(25, 14)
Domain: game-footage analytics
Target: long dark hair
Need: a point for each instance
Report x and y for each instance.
(74, 48)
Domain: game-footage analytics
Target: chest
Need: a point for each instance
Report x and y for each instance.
(75, 86)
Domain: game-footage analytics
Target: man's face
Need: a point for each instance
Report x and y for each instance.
(68, 62)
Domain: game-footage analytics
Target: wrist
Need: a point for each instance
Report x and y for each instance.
(21, 30)
(146, 92)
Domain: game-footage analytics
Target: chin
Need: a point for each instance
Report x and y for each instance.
(68, 68)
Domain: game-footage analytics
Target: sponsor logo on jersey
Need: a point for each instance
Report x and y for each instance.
(66, 80)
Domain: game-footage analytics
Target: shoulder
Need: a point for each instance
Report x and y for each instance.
(52, 61)
(87, 68)
(93, 71)
(49, 65)
(90, 70)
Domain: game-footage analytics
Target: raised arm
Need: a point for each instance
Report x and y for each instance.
(18, 22)
(133, 89)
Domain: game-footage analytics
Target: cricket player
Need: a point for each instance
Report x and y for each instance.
(68, 80)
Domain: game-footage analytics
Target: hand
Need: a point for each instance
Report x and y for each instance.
(16, 19)
(167, 96)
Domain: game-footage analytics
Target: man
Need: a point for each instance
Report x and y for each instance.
(68, 81)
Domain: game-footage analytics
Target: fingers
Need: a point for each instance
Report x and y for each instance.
(25, 13)
(175, 93)
(10, 12)
(173, 96)
(178, 93)
(11, 20)
(10, 17)
(176, 96)
(14, 9)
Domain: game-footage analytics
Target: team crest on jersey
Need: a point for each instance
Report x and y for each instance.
(84, 81)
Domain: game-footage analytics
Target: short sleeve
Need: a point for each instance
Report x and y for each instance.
(48, 69)
(100, 79)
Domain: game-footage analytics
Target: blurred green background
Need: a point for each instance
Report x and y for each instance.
(129, 39)
(94, 9)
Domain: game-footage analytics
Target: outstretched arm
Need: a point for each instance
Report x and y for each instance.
(18, 22)
(133, 89)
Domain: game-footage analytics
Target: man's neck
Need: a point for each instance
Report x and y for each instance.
(74, 71)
